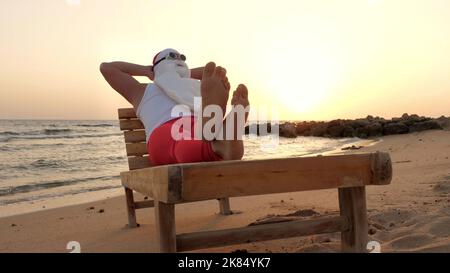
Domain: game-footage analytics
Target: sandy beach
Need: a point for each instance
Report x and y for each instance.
(410, 215)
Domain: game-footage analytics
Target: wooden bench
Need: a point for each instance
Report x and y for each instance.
(175, 184)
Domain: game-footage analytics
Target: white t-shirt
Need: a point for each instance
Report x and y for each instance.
(155, 109)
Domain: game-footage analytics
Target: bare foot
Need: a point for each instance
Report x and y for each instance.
(240, 97)
(233, 149)
(215, 89)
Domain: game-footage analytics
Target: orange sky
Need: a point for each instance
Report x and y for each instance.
(314, 59)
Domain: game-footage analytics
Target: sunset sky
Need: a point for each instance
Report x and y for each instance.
(311, 59)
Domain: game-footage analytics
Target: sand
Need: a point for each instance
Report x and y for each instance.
(410, 215)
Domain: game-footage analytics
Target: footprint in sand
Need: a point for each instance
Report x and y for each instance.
(443, 186)
(441, 228)
(411, 241)
(393, 217)
(272, 218)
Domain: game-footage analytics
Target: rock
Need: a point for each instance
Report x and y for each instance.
(395, 128)
(319, 130)
(353, 147)
(335, 131)
(265, 129)
(374, 129)
(425, 125)
(101, 211)
(444, 122)
(362, 132)
(13, 225)
(288, 130)
(362, 127)
(258, 129)
(302, 127)
(251, 129)
(362, 122)
(348, 131)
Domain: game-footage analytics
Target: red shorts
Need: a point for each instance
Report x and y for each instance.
(163, 149)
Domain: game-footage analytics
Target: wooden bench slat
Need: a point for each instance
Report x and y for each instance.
(134, 136)
(213, 180)
(216, 238)
(144, 204)
(136, 149)
(126, 113)
(145, 180)
(295, 174)
(131, 124)
(138, 162)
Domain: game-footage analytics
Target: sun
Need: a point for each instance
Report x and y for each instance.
(300, 84)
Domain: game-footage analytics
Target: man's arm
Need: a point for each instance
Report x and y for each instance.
(119, 75)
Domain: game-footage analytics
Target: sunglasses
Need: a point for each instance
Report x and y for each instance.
(172, 56)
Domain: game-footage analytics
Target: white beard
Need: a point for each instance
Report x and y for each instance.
(174, 79)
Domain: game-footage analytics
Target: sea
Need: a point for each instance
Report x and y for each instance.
(44, 159)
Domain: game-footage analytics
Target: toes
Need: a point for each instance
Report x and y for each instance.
(234, 98)
(227, 84)
(209, 69)
(220, 72)
(242, 91)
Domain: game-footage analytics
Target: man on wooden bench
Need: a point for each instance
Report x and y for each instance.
(154, 104)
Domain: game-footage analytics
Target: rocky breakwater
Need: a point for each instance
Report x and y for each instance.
(362, 128)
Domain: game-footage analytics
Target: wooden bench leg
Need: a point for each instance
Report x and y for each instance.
(224, 205)
(130, 208)
(166, 236)
(352, 203)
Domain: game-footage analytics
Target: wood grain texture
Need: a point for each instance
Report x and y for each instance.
(144, 204)
(214, 180)
(131, 124)
(352, 203)
(126, 113)
(208, 239)
(136, 149)
(165, 227)
(134, 136)
(138, 162)
(130, 208)
(240, 178)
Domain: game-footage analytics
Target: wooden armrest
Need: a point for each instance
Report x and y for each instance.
(204, 181)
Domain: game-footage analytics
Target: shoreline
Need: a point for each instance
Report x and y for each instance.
(412, 214)
(57, 202)
(62, 201)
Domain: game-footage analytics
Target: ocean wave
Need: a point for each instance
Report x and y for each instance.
(32, 137)
(9, 133)
(52, 184)
(52, 195)
(43, 163)
(56, 131)
(35, 132)
(95, 125)
(5, 148)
